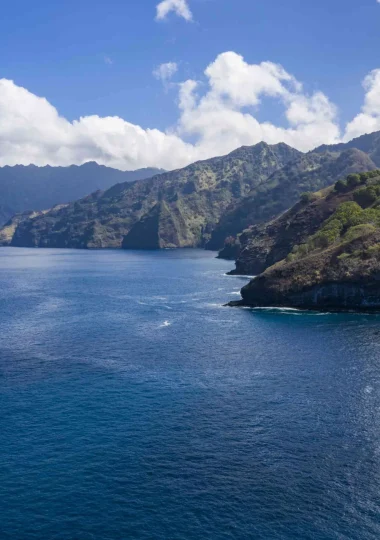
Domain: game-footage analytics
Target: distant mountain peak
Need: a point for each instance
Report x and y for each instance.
(368, 143)
(25, 187)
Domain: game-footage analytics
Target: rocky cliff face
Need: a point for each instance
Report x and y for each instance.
(336, 267)
(264, 245)
(162, 228)
(343, 278)
(309, 172)
(176, 209)
(8, 230)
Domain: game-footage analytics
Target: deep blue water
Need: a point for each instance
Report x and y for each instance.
(134, 406)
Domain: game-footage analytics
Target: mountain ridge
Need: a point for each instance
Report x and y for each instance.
(195, 196)
(30, 187)
(310, 172)
(368, 143)
(200, 205)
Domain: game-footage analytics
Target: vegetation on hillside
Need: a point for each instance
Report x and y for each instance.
(369, 143)
(336, 267)
(351, 219)
(309, 173)
(174, 209)
(205, 203)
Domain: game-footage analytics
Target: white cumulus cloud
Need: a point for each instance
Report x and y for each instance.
(165, 72)
(216, 115)
(32, 131)
(368, 119)
(220, 120)
(179, 7)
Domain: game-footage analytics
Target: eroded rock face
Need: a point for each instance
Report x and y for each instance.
(325, 297)
(346, 277)
(310, 172)
(341, 296)
(162, 228)
(268, 243)
(8, 230)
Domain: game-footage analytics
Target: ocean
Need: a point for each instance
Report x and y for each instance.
(134, 406)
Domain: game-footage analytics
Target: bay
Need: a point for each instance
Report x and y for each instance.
(135, 406)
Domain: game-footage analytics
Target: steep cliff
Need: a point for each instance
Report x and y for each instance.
(8, 230)
(337, 267)
(309, 172)
(265, 244)
(162, 228)
(344, 277)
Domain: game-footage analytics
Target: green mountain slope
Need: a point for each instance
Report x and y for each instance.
(309, 172)
(370, 144)
(176, 209)
(265, 244)
(338, 266)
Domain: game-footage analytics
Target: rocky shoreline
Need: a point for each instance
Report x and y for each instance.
(343, 278)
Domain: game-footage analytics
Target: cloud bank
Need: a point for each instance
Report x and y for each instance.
(217, 115)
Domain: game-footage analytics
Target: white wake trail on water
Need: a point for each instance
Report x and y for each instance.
(165, 324)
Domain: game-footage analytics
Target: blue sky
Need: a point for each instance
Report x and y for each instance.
(97, 58)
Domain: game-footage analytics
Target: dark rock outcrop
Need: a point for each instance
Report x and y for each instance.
(161, 228)
(342, 278)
